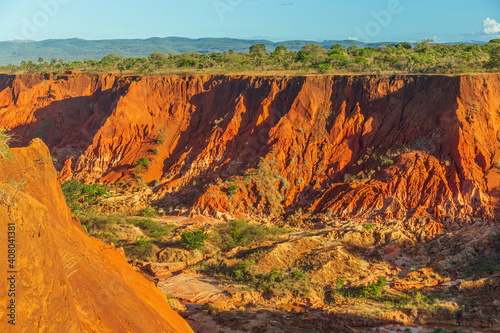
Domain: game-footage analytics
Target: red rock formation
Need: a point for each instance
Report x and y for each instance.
(66, 281)
(421, 148)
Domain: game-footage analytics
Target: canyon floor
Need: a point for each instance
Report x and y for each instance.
(341, 276)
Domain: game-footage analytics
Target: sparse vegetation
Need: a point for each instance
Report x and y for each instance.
(5, 139)
(149, 212)
(162, 135)
(141, 248)
(97, 223)
(270, 185)
(241, 233)
(489, 262)
(275, 281)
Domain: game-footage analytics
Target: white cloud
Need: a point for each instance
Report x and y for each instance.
(352, 38)
(491, 26)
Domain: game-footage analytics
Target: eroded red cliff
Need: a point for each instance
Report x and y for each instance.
(419, 148)
(67, 281)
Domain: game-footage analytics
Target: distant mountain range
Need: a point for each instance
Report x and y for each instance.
(14, 52)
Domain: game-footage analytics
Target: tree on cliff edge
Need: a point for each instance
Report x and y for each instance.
(494, 61)
(258, 50)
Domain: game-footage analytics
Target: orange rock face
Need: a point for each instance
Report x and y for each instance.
(418, 148)
(66, 281)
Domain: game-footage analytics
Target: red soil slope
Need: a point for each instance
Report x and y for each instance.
(66, 281)
(419, 148)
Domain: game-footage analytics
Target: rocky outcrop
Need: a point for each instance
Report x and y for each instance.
(423, 149)
(66, 281)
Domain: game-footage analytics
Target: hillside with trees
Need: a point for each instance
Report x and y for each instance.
(424, 57)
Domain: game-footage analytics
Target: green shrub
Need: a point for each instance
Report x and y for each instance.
(369, 226)
(373, 290)
(142, 163)
(243, 271)
(382, 281)
(369, 291)
(142, 248)
(387, 161)
(274, 275)
(340, 283)
(193, 240)
(324, 68)
(82, 197)
(298, 274)
(232, 189)
(148, 212)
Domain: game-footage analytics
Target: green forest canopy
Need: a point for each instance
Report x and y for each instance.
(422, 57)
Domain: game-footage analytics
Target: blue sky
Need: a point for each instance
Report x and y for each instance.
(367, 20)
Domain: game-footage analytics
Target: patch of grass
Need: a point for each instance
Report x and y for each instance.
(240, 233)
(95, 223)
(105, 234)
(151, 228)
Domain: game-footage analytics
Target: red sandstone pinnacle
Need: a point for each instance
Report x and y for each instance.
(67, 281)
(419, 148)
